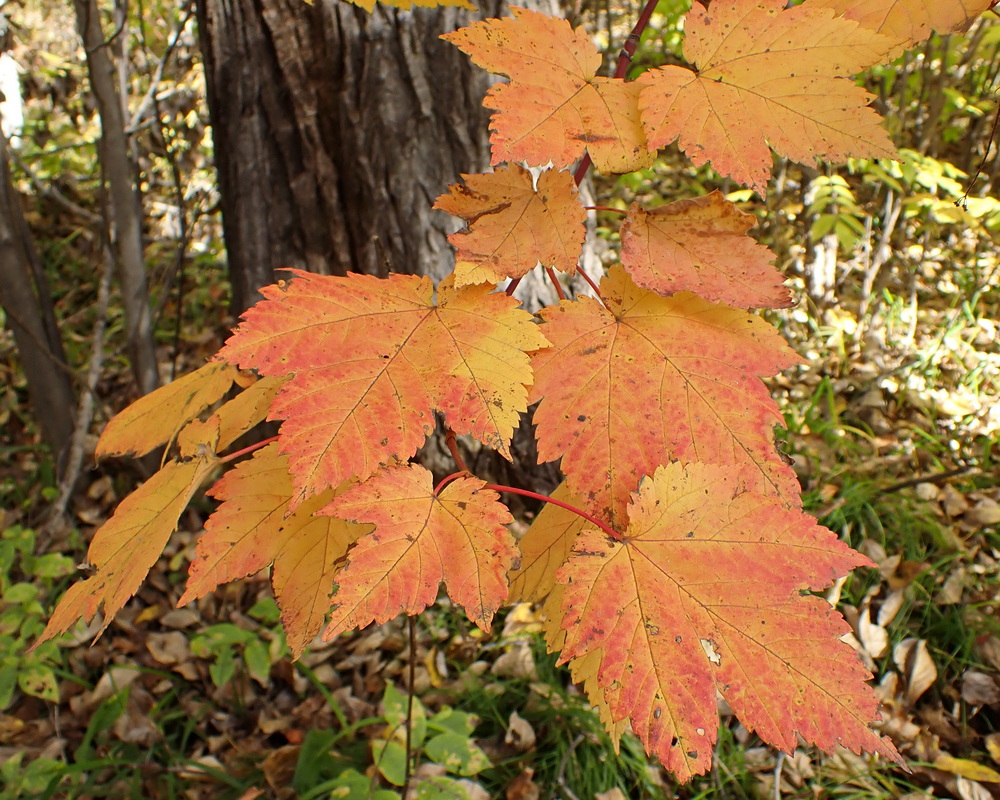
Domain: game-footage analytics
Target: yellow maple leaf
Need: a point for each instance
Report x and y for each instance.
(253, 529)
(159, 416)
(908, 22)
(766, 75)
(128, 544)
(513, 226)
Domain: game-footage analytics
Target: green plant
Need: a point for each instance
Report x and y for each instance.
(25, 583)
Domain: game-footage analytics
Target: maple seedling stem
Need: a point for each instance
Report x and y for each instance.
(555, 283)
(451, 440)
(250, 449)
(536, 496)
(449, 478)
(593, 285)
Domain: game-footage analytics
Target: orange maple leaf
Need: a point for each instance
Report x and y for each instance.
(703, 594)
(766, 74)
(512, 226)
(369, 360)
(252, 529)
(908, 22)
(701, 246)
(421, 539)
(128, 544)
(555, 106)
(648, 379)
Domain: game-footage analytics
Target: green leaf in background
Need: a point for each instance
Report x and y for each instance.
(39, 681)
(448, 720)
(390, 758)
(457, 753)
(352, 785)
(394, 704)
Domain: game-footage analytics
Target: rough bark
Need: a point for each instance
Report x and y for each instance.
(125, 206)
(335, 129)
(30, 316)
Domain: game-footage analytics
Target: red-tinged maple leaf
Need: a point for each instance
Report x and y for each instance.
(647, 379)
(252, 529)
(703, 594)
(159, 416)
(512, 226)
(128, 544)
(421, 539)
(369, 361)
(908, 22)
(701, 245)
(554, 107)
(766, 75)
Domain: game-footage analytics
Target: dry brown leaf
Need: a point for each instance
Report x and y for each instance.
(984, 513)
(915, 662)
(890, 607)
(523, 787)
(520, 734)
(980, 689)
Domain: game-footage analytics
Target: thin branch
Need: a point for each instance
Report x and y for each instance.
(85, 405)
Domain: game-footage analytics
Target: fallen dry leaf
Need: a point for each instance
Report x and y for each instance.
(980, 689)
(917, 666)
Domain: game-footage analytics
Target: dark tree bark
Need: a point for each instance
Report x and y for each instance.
(334, 130)
(25, 298)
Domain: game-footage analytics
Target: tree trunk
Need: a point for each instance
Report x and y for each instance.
(125, 206)
(28, 307)
(334, 130)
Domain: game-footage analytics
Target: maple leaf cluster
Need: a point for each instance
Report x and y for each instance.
(674, 564)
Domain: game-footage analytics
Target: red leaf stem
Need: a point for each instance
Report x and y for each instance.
(535, 496)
